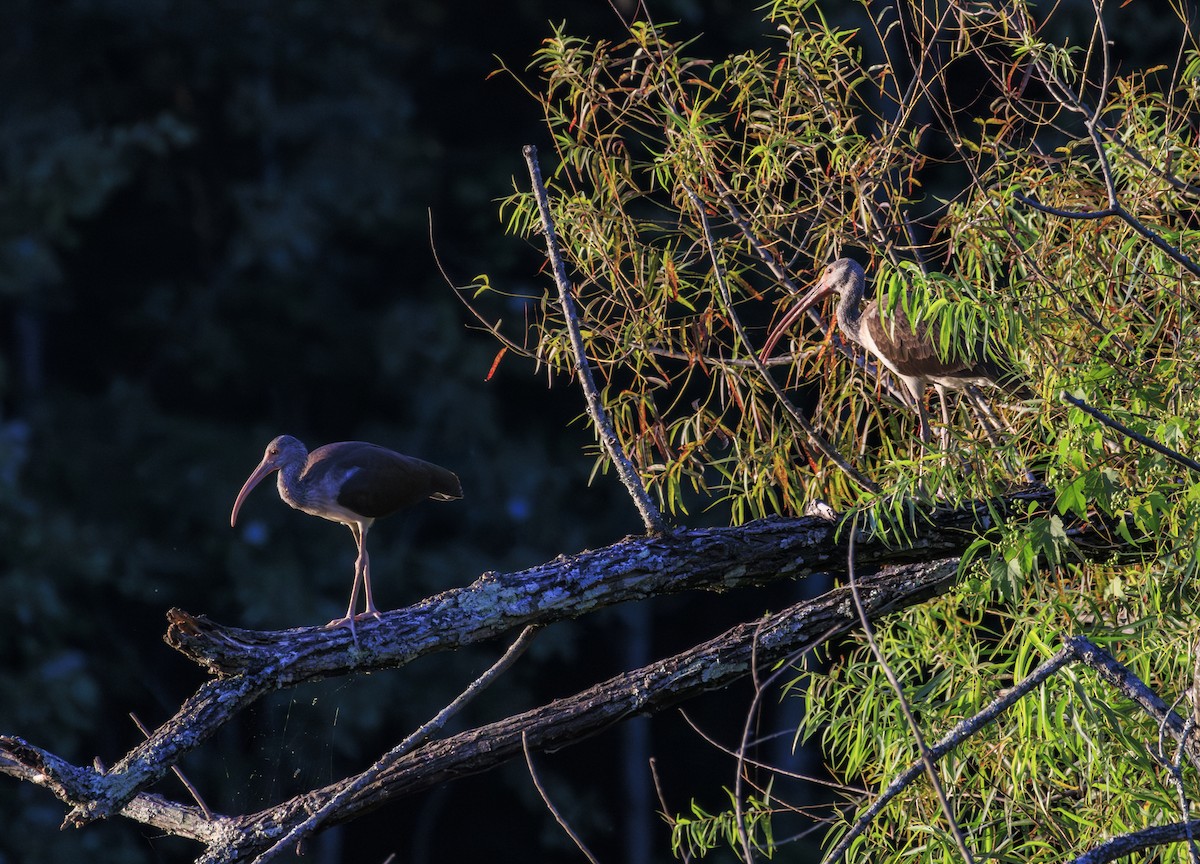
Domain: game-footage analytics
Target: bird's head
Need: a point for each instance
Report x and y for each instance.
(282, 451)
(844, 277)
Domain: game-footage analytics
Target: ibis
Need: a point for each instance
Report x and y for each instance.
(909, 353)
(354, 483)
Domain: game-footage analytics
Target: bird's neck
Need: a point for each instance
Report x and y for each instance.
(849, 313)
(289, 483)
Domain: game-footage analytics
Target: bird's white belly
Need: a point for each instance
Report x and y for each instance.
(334, 512)
(915, 385)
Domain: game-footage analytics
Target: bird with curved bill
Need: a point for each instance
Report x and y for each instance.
(909, 353)
(354, 483)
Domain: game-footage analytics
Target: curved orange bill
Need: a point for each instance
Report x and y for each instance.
(264, 468)
(818, 292)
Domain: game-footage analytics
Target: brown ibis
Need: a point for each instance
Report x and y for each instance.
(354, 483)
(909, 353)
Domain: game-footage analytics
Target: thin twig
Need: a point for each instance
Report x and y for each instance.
(922, 748)
(684, 855)
(1195, 694)
(493, 329)
(651, 518)
(948, 742)
(739, 810)
(1173, 455)
(537, 784)
(309, 825)
(1091, 122)
(760, 688)
(1117, 211)
(178, 773)
(766, 766)
(780, 273)
(814, 437)
(947, 117)
(1176, 769)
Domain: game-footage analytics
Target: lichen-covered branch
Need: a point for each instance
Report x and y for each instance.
(710, 559)
(249, 664)
(648, 690)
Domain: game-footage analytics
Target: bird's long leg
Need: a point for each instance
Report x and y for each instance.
(366, 572)
(987, 418)
(348, 620)
(926, 433)
(925, 430)
(944, 435)
(914, 392)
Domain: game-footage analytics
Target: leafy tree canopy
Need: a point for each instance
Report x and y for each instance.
(1008, 176)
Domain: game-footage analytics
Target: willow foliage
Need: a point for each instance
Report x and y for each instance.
(998, 171)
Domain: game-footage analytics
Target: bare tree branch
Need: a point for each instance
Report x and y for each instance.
(187, 784)
(1173, 455)
(710, 666)
(927, 759)
(651, 518)
(250, 664)
(558, 817)
(435, 724)
(810, 431)
(1115, 210)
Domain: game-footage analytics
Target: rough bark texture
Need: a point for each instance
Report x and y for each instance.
(714, 559)
(248, 664)
(709, 666)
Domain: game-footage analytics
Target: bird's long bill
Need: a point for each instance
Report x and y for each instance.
(264, 468)
(793, 315)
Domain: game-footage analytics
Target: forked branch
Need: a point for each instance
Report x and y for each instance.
(250, 664)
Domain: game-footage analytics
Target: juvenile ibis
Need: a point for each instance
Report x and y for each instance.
(910, 354)
(354, 483)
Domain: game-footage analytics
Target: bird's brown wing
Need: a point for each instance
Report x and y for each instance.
(910, 352)
(378, 481)
(914, 352)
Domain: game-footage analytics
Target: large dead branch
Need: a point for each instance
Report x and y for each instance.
(249, 664)
(689, 559)
(710, 666)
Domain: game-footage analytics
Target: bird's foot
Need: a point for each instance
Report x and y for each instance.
(348, 620)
